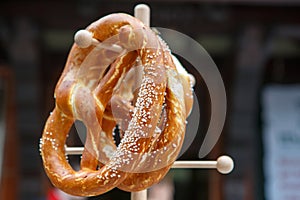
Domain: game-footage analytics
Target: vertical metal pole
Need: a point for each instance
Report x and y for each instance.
(140, 195)
(142, 12)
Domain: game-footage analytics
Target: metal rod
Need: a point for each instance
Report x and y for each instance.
(223, 164)
(195, 164)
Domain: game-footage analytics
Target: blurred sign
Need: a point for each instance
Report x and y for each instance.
(281, 139)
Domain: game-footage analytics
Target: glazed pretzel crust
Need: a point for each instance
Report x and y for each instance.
(97, 87)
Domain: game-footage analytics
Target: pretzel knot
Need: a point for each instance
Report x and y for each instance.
(139, 89)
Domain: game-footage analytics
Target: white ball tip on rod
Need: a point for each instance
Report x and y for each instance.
(142, 12)
(225, 164)
(83, 38)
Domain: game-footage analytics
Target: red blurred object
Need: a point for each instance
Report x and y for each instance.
(52, 195)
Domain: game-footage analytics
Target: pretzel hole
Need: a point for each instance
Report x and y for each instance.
(80, 137)
(106, 70)
(117, 136)
(74, 161)
(76, 138)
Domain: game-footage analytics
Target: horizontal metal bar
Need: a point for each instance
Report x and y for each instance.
(224, 164)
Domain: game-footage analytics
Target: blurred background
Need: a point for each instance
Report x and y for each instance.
(255, 45)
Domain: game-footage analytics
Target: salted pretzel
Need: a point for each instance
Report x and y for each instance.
(98, 87)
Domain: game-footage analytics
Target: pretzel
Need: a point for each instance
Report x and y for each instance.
(97, 87)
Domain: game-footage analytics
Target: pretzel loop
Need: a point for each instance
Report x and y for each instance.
(98, 86)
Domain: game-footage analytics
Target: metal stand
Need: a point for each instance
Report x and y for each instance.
(224, 164)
